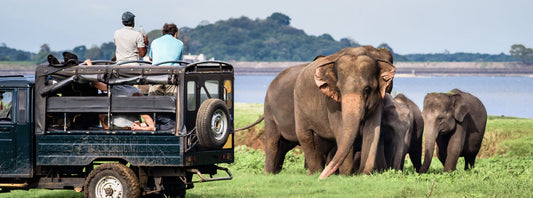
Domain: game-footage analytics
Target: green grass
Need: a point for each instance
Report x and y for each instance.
(247, 113)
(22, 65)
(41, 193)
(493, 177)
(503, 169)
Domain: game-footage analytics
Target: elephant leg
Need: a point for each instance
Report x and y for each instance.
(284, 147)
(470, 159)
(347, 166)
(324, 147)
(356, 155)
(415, 154)
(399, 153)
(356, 161)
(275, 148)
(442, 146)
(384, 161)
(455, 147)
(311, 153)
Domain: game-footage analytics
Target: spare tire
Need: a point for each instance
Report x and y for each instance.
(213, 124)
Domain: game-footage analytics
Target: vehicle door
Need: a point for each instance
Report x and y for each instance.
(7, 130)
(16, 143)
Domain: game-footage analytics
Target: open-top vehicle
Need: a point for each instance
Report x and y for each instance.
(51, 135)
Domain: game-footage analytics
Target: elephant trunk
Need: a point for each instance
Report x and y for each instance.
(430, 137)
(371, 159)
(352, 114)
(398, 156)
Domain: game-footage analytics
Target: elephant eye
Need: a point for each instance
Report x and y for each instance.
(366, 90)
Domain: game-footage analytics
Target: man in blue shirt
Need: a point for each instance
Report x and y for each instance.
(167, 47)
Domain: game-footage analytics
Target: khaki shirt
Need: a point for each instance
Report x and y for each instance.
(127, 41)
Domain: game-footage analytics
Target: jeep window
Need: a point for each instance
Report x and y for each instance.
(191, 96)
(22, 115)
(210, 90)
(5, 105)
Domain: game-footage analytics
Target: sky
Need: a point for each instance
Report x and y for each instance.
(408, 26)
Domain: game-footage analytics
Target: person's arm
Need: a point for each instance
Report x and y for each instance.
(99, 85)
(102, 121)
(143, 50)
(150, 125)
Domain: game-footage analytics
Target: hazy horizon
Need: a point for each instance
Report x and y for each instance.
(409, 26)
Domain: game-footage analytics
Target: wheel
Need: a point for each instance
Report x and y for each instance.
(112, 180)
(213, 123)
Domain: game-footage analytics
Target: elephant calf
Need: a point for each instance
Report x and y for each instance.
(401, 129)
(456, 122)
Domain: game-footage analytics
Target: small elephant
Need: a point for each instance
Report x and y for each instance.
(402, 126)
(456, 122)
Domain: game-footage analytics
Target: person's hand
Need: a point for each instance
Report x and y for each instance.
(135, 126)
(146, 39)
(88, 62)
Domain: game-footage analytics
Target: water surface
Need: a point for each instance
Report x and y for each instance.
(507, 96)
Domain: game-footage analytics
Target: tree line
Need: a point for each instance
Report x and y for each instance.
(270, 39)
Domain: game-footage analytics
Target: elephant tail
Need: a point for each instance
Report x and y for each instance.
(251, 125)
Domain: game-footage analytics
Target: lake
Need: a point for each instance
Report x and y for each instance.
(502, 96)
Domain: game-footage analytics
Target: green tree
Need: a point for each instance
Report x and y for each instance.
(43, 54)
(279, 18)
(94, 53)
(521, 52)
(80, 51)
(107, 50)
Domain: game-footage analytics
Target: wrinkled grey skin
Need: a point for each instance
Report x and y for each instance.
(456, 122)
(278, 115)
(417, 130)
(401, 131)
(335, 98)
(280, 136)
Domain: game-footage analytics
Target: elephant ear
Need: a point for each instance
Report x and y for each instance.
(326, 79)
(386, 73)
(460, 108)
(319, 56)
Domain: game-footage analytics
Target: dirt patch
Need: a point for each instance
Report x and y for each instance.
(252, 138)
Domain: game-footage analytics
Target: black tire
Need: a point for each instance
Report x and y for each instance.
(112, 180)
(213, 124)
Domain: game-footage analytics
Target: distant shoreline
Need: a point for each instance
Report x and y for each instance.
(403, 69)
(408, 69)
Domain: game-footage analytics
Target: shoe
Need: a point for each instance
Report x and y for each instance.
(52, 61)
(70, 59)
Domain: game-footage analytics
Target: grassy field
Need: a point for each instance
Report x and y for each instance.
(503, 169)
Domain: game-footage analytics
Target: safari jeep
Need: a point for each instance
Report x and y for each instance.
(51, 134)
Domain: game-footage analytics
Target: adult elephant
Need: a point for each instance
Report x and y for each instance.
(456, 122)
(280, 136)
(401, 130)
(335, 98)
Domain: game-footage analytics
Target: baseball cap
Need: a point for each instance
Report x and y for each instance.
(128, 16)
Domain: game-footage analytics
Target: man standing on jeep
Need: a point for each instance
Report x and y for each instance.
(130, 44)
(167, 47)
